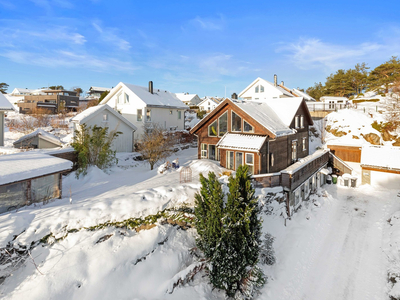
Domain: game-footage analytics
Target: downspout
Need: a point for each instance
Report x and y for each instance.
(268, 158)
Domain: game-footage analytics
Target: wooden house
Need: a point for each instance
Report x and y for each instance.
(267, 136)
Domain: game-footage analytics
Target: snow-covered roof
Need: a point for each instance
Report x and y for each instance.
(263, 81)
(303, 94)
(159, 98)
(99, 89)
(43, 134)
(19, 91)
(185, 97)
(304, 161)
(265, 114)
(215, 100)
(22, 166)
(332, 98)
(381, 156)
(285, 108)
(248, 142)
(5, 104)
(90, 112)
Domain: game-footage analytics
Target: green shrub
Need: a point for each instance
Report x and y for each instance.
(201, 114)
(93, 146)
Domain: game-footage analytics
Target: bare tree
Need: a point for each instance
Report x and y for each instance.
(155, 145)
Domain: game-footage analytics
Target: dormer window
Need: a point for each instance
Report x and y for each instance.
(257, 89)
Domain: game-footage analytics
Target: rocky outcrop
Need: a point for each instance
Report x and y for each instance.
(372, 138)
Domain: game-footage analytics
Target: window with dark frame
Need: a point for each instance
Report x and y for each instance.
(236, 122)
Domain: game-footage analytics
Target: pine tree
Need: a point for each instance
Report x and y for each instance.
(209, 213)
(238, 250)
(385, 74)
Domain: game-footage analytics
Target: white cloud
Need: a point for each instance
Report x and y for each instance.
(108, 35)
(312, 53)
(209, 24)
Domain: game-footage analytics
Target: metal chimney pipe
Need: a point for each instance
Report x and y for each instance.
(151, 87)
(275, 80)
(282, 83)
(234, 96)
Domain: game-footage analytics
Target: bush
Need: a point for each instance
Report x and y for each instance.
(201, 113)
(93, 146)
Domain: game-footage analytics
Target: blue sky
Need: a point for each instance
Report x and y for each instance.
(201, 47)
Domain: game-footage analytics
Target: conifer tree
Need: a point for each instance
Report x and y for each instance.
(209, 213)
(385, 74)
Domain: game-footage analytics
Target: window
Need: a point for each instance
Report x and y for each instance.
(211, 152)
(126, 98)
(247, 127)
(304, 144)
(179, 115)
(297, 198)
(271, 159)
(301, 121)
(212, 129)
(223, 124)
(239, 160)
(236, 122)
(257, 89)
(229, 160)
(250, 162)
(203, 150)
(139, 115)
(296, 122)
(148, 115)
(105, 118)
(294, 151)
(170, 112)
(261, 89)
(120, 98)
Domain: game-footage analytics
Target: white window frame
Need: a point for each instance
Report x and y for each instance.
(261, 89)
(227, 160)
(257, 89)
(179, 114)
(216, 129)
(296, 122)
(120, 100)
(271, 160)
(247, 164)
(141, 115)
(241, 122)
(294, 153)
(301, 121)
(105, 117)
(304, 143)
(203, 152)
(236, 153)
(126, 98)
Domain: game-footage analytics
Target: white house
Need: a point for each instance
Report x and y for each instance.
(189, 99)
(106, 116)
(334, 102)
(5, 106)
(95, 91)
(147, 106)
(261, 89)
(26, 92)
(208, 104)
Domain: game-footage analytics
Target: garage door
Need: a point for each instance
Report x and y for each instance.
(387, 180)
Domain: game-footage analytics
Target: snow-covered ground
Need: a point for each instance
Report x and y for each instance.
(330, 249)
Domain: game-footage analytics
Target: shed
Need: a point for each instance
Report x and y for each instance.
(30, 177)
(39, 139)
(106, 116)
(380, 165)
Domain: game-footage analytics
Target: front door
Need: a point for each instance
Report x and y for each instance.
(211, 152)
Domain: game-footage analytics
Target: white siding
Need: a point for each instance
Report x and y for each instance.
(270, 92)
(1, 128)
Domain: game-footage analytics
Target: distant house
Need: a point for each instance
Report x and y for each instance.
(145, 107)
(306, 96)
(209, 103)
(95, 91)
(380, 165)
(333, 103)
(30, 177)
(5, 106)
(26, 92)
(189, 99)
(39, 139)
(52, 101)
(261, 89)
(106, 116)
